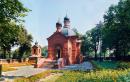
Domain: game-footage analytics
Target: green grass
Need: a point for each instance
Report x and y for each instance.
(94, 76)
(51, 78)
(110, 65)
(79, 76)
(108, 73)
(105, 64)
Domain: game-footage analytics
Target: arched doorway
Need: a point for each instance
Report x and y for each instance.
(58, 52)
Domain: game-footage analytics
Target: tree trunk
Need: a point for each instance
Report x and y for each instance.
(117, 54)
(104, 56)
(100, 56)
(95, 54)
(4, 54)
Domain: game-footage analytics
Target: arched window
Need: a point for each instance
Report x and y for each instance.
(34, 51)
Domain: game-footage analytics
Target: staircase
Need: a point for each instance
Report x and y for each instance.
(46, 63)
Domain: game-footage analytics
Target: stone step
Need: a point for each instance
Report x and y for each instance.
(48, 65)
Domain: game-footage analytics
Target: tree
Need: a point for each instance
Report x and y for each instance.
(11, 10)
(117, 28)
(8, 37)
(44, 51)
(25, 40)
(12, 35)
(15, 54)
(86, 47)
(91, 40)
(11, 14)
(96, 38)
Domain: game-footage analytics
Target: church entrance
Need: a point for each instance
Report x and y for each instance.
(58, 52)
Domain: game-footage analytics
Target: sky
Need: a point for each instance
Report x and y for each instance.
(83, 14)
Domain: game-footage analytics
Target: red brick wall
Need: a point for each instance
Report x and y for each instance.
(36, 51)
(70, 48)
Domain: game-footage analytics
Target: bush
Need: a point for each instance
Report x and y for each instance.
(96, 66)
(124, 78)
(123, 65)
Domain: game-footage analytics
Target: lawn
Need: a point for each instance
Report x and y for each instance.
(79, 76)
(105, 64)
(110, 65)
(95, 76)
(106, 73)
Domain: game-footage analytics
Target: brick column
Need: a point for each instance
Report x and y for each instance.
(74, 52)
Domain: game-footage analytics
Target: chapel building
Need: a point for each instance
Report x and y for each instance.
(64, 43)
(36, 50)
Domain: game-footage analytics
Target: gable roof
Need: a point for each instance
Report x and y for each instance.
(55, 34)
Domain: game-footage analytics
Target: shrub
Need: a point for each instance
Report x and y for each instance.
(124, 78)
(123, 65)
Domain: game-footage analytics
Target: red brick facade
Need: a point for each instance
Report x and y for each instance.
(64, 46)
(36, 50)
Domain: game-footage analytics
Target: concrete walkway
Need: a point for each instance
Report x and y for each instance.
(26, 71)
(83, 66)
(23, 71)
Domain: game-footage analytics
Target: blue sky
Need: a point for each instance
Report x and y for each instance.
(83, 14)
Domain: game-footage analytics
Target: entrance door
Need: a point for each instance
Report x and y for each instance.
(58, 52)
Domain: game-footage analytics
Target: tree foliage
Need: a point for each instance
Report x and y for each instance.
(86, 47)
(117, 28)
(11, 10)
(114, 33)
(25, 43)
(12, 32)
(44, 51)
(8, 36)
(90, 41)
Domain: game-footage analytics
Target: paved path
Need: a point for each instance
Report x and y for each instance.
(83, 66)
(26, 71)
(23, 71)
